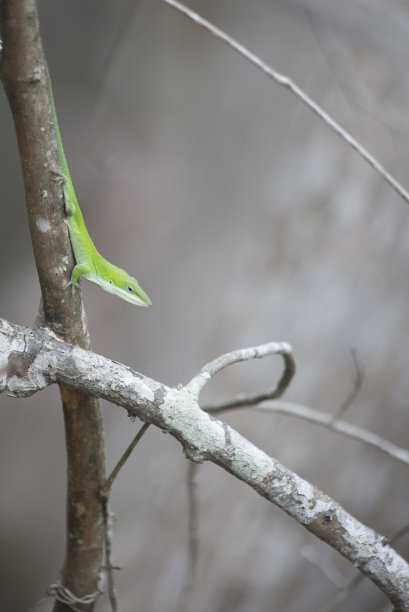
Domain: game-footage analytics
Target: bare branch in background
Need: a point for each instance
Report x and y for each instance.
(286, 82)
(119, 36)
(105, 495)
(359, 379)
(193, 538)
(342, 427)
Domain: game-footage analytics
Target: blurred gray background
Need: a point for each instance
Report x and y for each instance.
(246, 220)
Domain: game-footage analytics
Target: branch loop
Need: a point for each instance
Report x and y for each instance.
(257, 352)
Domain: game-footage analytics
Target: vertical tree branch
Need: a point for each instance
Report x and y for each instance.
(24, 79)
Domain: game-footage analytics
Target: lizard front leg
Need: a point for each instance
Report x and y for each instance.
(79, 270)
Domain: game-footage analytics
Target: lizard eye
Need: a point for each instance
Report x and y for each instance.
(130, 289)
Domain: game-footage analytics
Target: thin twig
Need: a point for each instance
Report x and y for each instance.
(258, 352)
(399, 533)
(106, 489)
(109, 568)
(105, 493)
(342, 427)
(323, 561)
(193, 523)
(342, 595)
(119, 35)
(359, 378)
(286, 82)
(193, 542)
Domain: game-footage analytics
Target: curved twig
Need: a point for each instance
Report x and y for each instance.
(359, 379)
(257, 352)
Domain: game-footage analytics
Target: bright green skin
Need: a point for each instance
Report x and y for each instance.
(89, 263)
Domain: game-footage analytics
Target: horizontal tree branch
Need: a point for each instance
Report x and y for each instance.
(31, 359)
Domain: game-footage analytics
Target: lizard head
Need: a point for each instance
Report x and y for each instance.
(124, 286)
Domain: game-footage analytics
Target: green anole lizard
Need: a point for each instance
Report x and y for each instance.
(89, 262)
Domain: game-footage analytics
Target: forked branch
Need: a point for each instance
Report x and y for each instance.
(31, 359)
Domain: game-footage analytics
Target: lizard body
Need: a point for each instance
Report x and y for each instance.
(89, 262)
